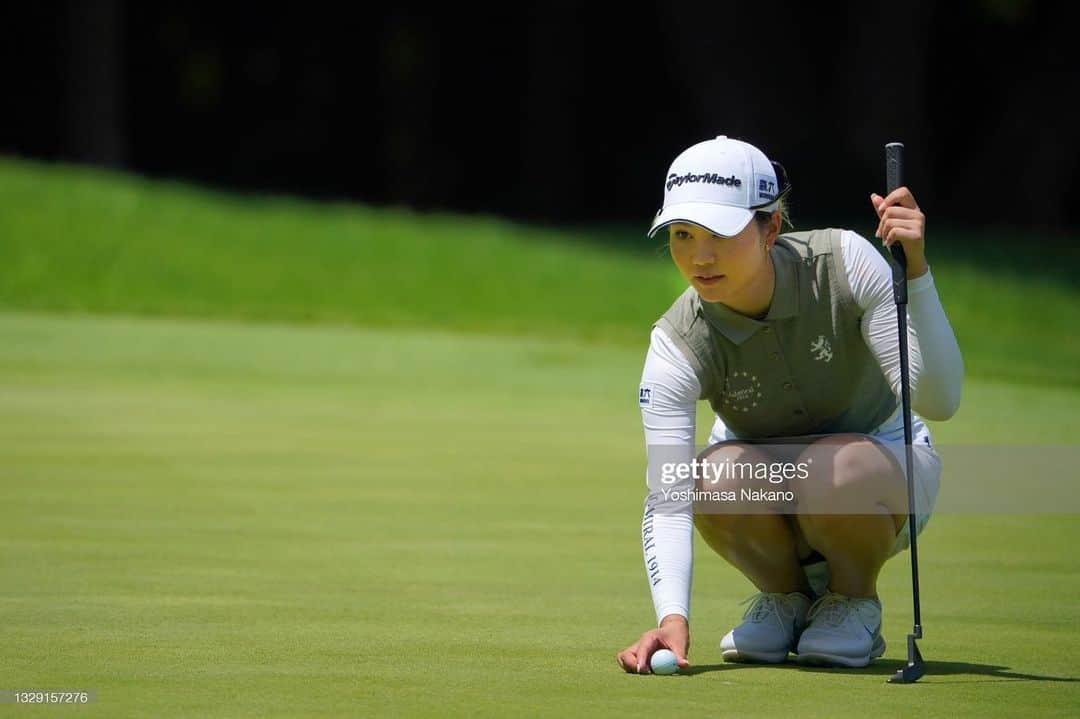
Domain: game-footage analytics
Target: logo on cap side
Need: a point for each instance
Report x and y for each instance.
(766, 187)
(709, 177)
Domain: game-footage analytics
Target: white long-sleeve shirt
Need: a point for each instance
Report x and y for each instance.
(936, 374)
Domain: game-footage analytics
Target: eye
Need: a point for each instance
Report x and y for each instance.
(681, 234)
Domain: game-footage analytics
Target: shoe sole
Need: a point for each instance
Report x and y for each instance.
(820, 659)
(734, 655)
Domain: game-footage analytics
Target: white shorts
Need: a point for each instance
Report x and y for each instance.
(927, 476)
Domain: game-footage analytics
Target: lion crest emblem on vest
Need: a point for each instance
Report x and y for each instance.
(821, 349)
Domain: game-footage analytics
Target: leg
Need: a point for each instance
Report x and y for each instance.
(850, 509)
(763, 545)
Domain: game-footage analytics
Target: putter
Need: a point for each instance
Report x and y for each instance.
(894, 178)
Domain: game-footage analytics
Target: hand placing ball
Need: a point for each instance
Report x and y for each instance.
(667, 644)
(664, 661)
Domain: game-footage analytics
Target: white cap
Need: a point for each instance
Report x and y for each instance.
(718, 184)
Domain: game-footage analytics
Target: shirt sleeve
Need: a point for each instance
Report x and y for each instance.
(937, 369)
(667, 398)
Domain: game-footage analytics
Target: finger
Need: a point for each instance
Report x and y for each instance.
(901, 196)
(627, 660)
(911, 223)
(644, 650)
(638, 658)
(900, 212)
(893, 214)
(904, 222)
(680, 657)
(899, 233)
(908, 228)
(875, 200)
(903, 239)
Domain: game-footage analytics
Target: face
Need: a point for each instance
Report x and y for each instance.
(723, 269)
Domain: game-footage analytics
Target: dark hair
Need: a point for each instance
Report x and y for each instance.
(763, 218)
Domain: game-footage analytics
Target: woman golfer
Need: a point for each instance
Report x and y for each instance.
(791, 338)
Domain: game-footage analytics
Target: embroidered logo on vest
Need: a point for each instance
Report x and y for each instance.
(742, 392)
(822, 349)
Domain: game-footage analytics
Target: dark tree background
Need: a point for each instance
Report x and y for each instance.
(557, 112)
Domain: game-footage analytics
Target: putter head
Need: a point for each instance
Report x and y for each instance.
(915, 667)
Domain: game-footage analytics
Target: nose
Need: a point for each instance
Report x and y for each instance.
(704, 253)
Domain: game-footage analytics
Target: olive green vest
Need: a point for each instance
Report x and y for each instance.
(804, 368)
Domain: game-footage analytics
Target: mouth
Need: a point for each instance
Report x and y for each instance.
(708, 279)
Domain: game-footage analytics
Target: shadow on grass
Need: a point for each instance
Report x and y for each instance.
(887, 667)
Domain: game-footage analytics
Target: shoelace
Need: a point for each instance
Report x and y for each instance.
(764, 604)
(832, 609)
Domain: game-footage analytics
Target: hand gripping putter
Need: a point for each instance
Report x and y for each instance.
(894, 178)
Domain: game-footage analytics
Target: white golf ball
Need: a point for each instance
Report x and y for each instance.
(663, 661)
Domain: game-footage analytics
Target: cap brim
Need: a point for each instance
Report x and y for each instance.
(718, 219)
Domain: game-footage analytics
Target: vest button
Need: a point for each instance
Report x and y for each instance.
(799, 411)
(766, 329)
(788, 385)
(774, 355)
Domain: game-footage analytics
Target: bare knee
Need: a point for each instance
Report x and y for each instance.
(850, 474)
(716, 461)
(722, 515)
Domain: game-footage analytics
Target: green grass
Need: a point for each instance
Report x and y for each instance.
(327, 460)
(216, 518)
(77, 240)
(83, 240)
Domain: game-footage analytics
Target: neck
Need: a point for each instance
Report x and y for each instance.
(757, 299)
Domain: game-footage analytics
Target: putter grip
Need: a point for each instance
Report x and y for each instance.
(894, 178)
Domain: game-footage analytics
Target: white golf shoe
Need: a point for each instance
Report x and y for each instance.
(770, 627)
(843, 631)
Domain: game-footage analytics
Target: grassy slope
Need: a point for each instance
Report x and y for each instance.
(81, 240)
(208, 518)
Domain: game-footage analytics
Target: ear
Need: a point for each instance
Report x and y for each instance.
(775, 223)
